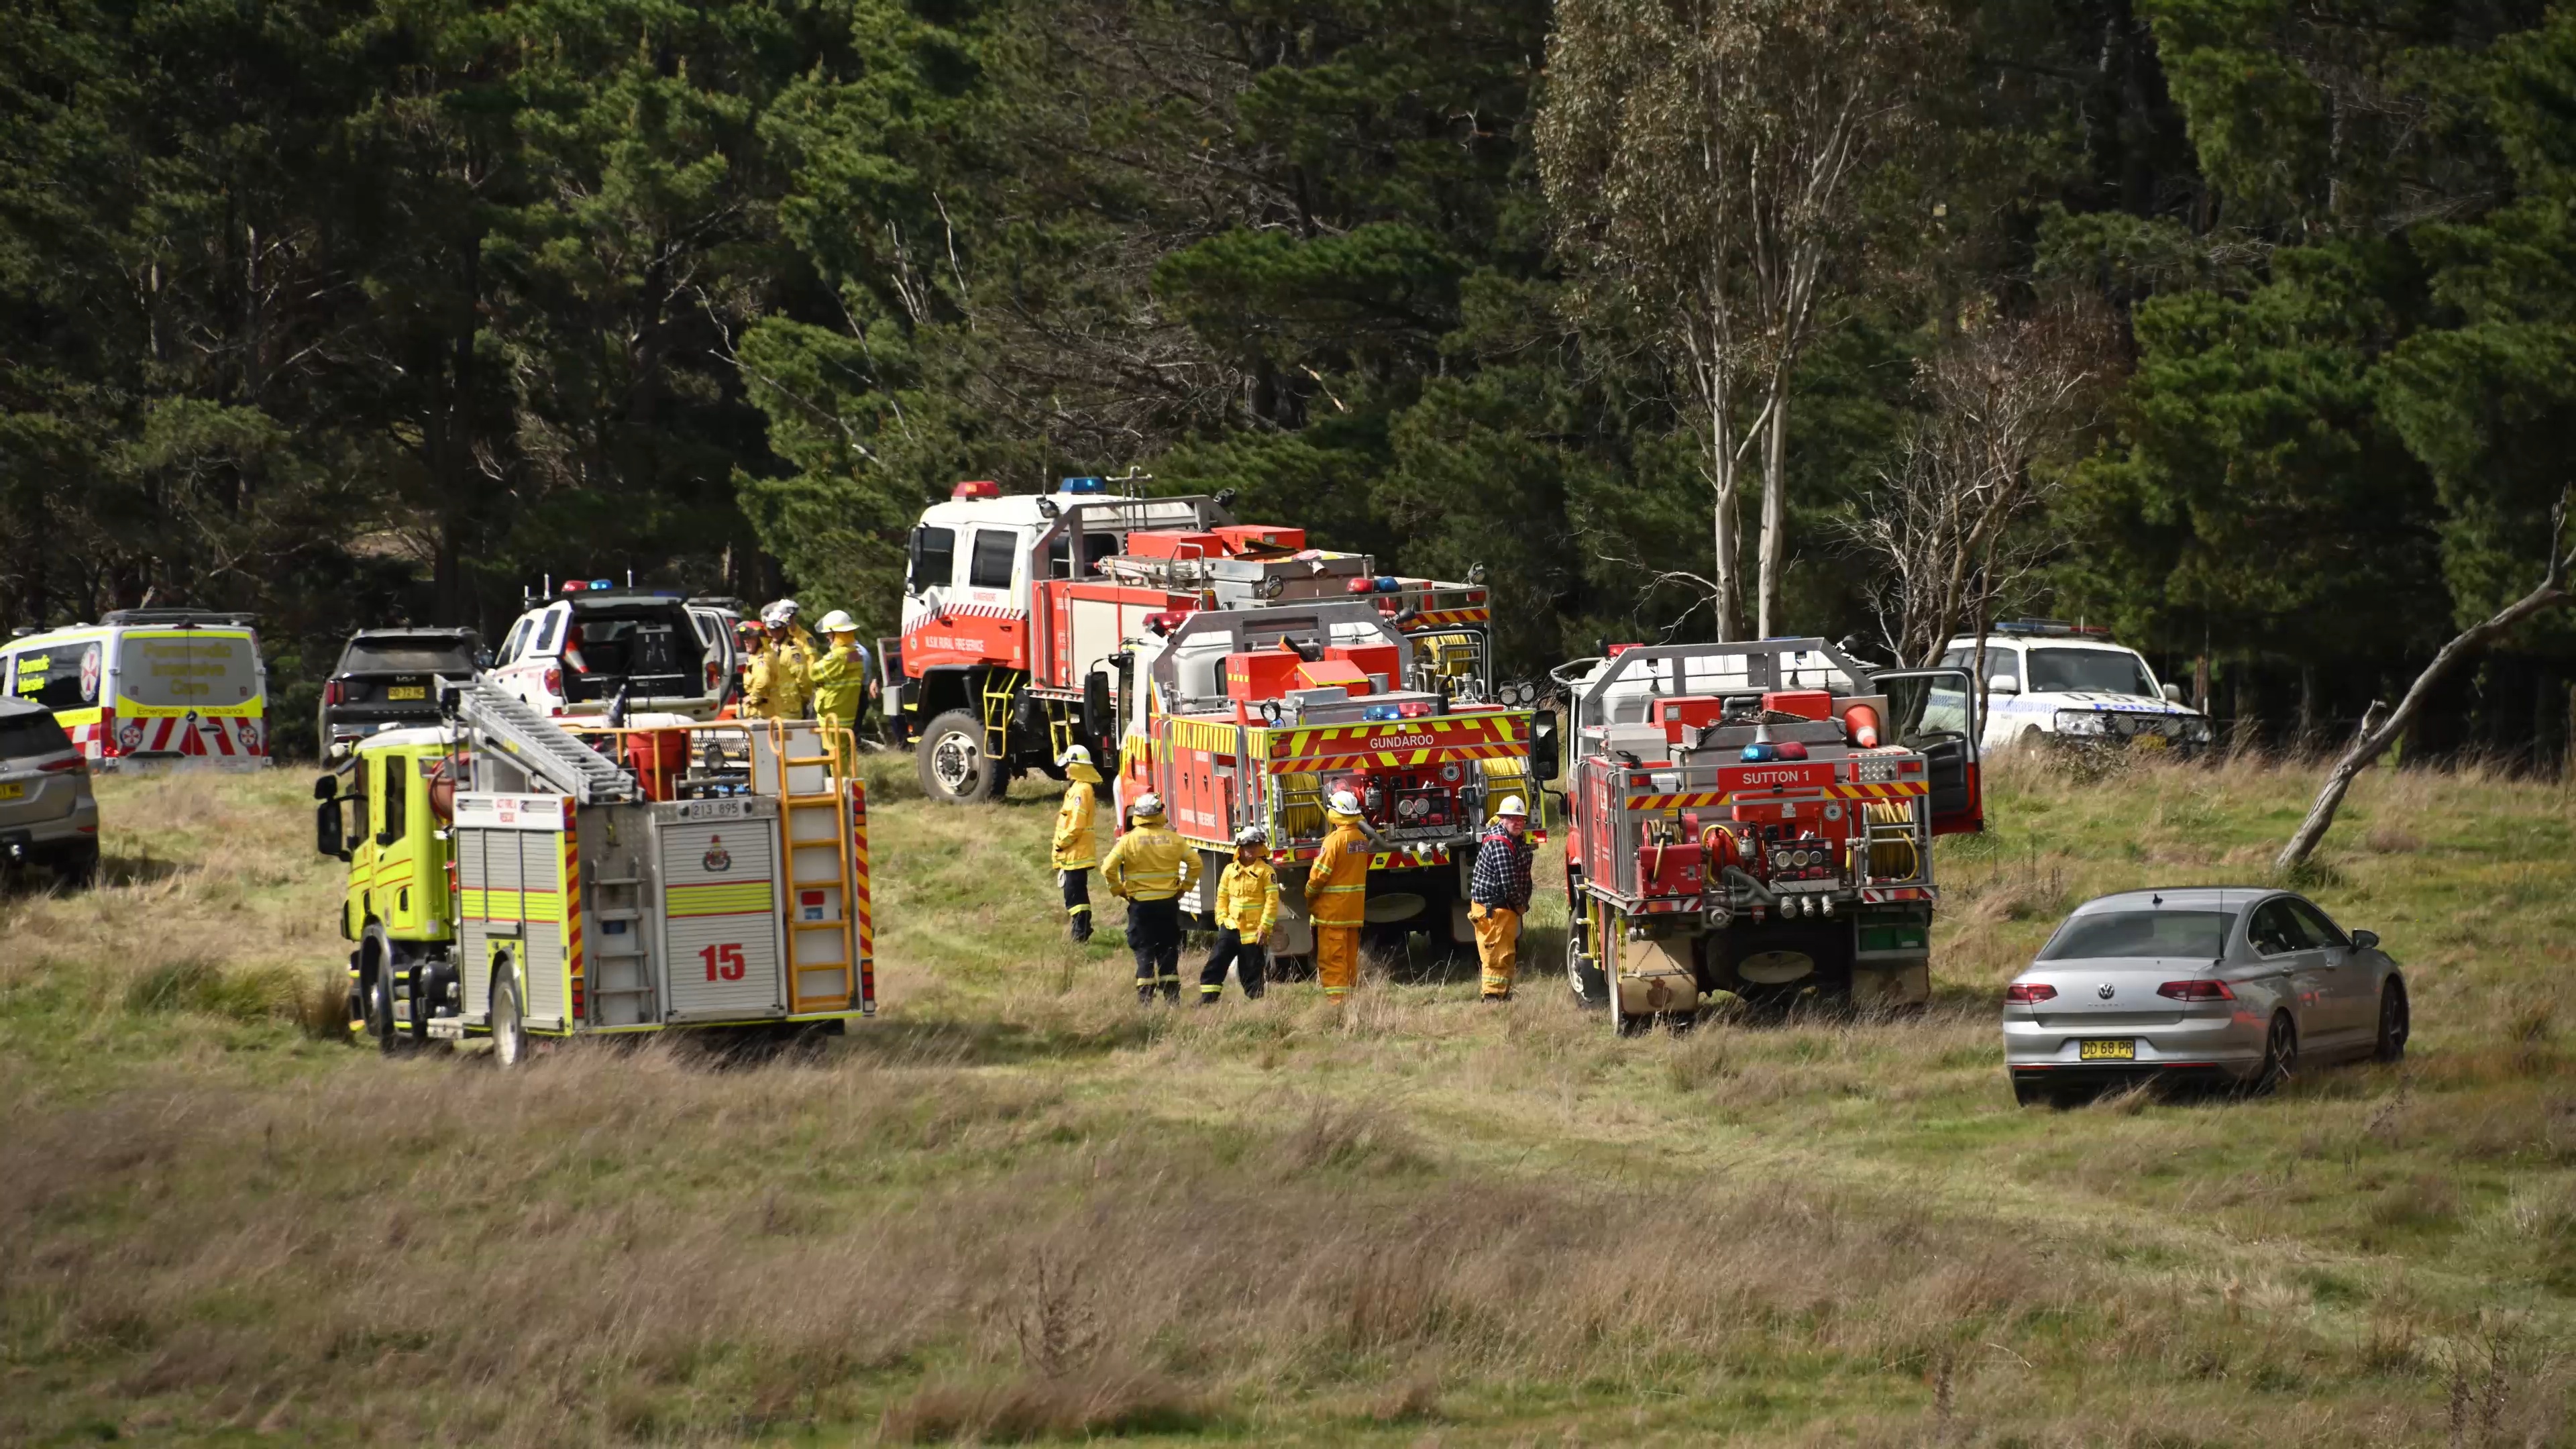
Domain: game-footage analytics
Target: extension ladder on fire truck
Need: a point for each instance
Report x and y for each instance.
(537, 744)
(826, 885)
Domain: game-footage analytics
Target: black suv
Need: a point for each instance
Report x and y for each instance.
(388, 679)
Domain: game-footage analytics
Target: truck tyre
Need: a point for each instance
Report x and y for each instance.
(376, 975)
(509, 1024)
(1591, 986)
(954, 767)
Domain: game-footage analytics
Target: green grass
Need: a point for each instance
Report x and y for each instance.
(1016, 1206)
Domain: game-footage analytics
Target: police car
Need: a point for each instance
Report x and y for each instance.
(2047, 682)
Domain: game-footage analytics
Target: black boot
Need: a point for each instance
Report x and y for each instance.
(1082, 928)
(1145, 993)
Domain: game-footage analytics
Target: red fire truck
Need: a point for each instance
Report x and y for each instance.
(1255, 715)
(1757, 818)
(1017, 610)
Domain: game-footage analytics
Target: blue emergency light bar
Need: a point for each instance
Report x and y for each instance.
(1082, 485)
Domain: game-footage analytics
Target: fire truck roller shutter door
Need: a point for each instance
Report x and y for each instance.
(720, 917)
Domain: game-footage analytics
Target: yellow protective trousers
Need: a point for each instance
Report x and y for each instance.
(1498, 945)
(1337, 959)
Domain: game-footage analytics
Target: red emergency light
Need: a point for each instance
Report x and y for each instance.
(574, 586)
(975, 488)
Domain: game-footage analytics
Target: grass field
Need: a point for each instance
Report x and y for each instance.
(1017, 1206)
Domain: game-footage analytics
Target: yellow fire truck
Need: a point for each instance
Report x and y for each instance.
(513, 876)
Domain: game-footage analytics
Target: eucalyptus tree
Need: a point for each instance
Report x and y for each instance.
(1705, 163)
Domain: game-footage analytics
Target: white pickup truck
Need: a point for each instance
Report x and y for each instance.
(2047, 683)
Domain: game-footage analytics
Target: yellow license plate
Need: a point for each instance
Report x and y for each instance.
(2151, 742)
(2120, 1049)
(414, 691)
(13, 791)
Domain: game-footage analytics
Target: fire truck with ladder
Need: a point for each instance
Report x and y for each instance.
(1757, 818)
(1019, 610)
(517, 876)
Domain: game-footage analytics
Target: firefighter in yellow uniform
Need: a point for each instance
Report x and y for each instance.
(1337, 896)
(1247, 906)
(782, 672)
(840, 680)
(1150, 868)
(1077, 844)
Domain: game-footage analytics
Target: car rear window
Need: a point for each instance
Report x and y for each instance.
(2140, 933)
(192, 667)
(25, 736)
(407, 656)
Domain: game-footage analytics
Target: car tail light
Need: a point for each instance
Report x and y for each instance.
(2196, 991)
(63, 767)
(715, 671)
(331, 692)
(2029, 991)
(554, 680)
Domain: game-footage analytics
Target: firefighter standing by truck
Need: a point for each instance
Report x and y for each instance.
(781, 673)
(1077, 843)
(1337, 896)
(840, 679)
(1150, 868)
(1498, 895)
(1247, 906)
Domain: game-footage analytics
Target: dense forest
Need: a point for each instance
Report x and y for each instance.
(356, 311)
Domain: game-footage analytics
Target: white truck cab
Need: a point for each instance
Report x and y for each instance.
(2047, 682)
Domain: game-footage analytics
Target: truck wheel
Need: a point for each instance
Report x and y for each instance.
(509, 1026)
(1591, 986)
(954, 767)
(376, 974)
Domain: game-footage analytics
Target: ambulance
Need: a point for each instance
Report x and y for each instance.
(151, 686)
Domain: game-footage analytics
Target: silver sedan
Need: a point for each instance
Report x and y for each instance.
(2240, 984)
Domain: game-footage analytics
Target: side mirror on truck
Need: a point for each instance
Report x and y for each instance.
(327, 837)
(1544, 761)
(1099, 713)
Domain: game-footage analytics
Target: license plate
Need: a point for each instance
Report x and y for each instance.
(2150, 742)
(2118, 1049)
(408, 691)
(13, 791)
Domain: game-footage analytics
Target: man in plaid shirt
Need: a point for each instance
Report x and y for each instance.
(1498, 895)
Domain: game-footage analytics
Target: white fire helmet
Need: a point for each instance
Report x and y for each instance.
(839, 622)
(1343, 802)
(1512, 806)
(779, 612)
(1251, 835)
(1077, 755)
(1149, 806)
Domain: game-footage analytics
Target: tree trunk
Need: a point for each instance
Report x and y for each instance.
(2373, 739)
(1721, 462)
(1775, 490)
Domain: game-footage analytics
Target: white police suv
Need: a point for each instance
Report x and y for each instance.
(2053, 683)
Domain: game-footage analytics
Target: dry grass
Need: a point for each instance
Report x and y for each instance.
(1016, 1207)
